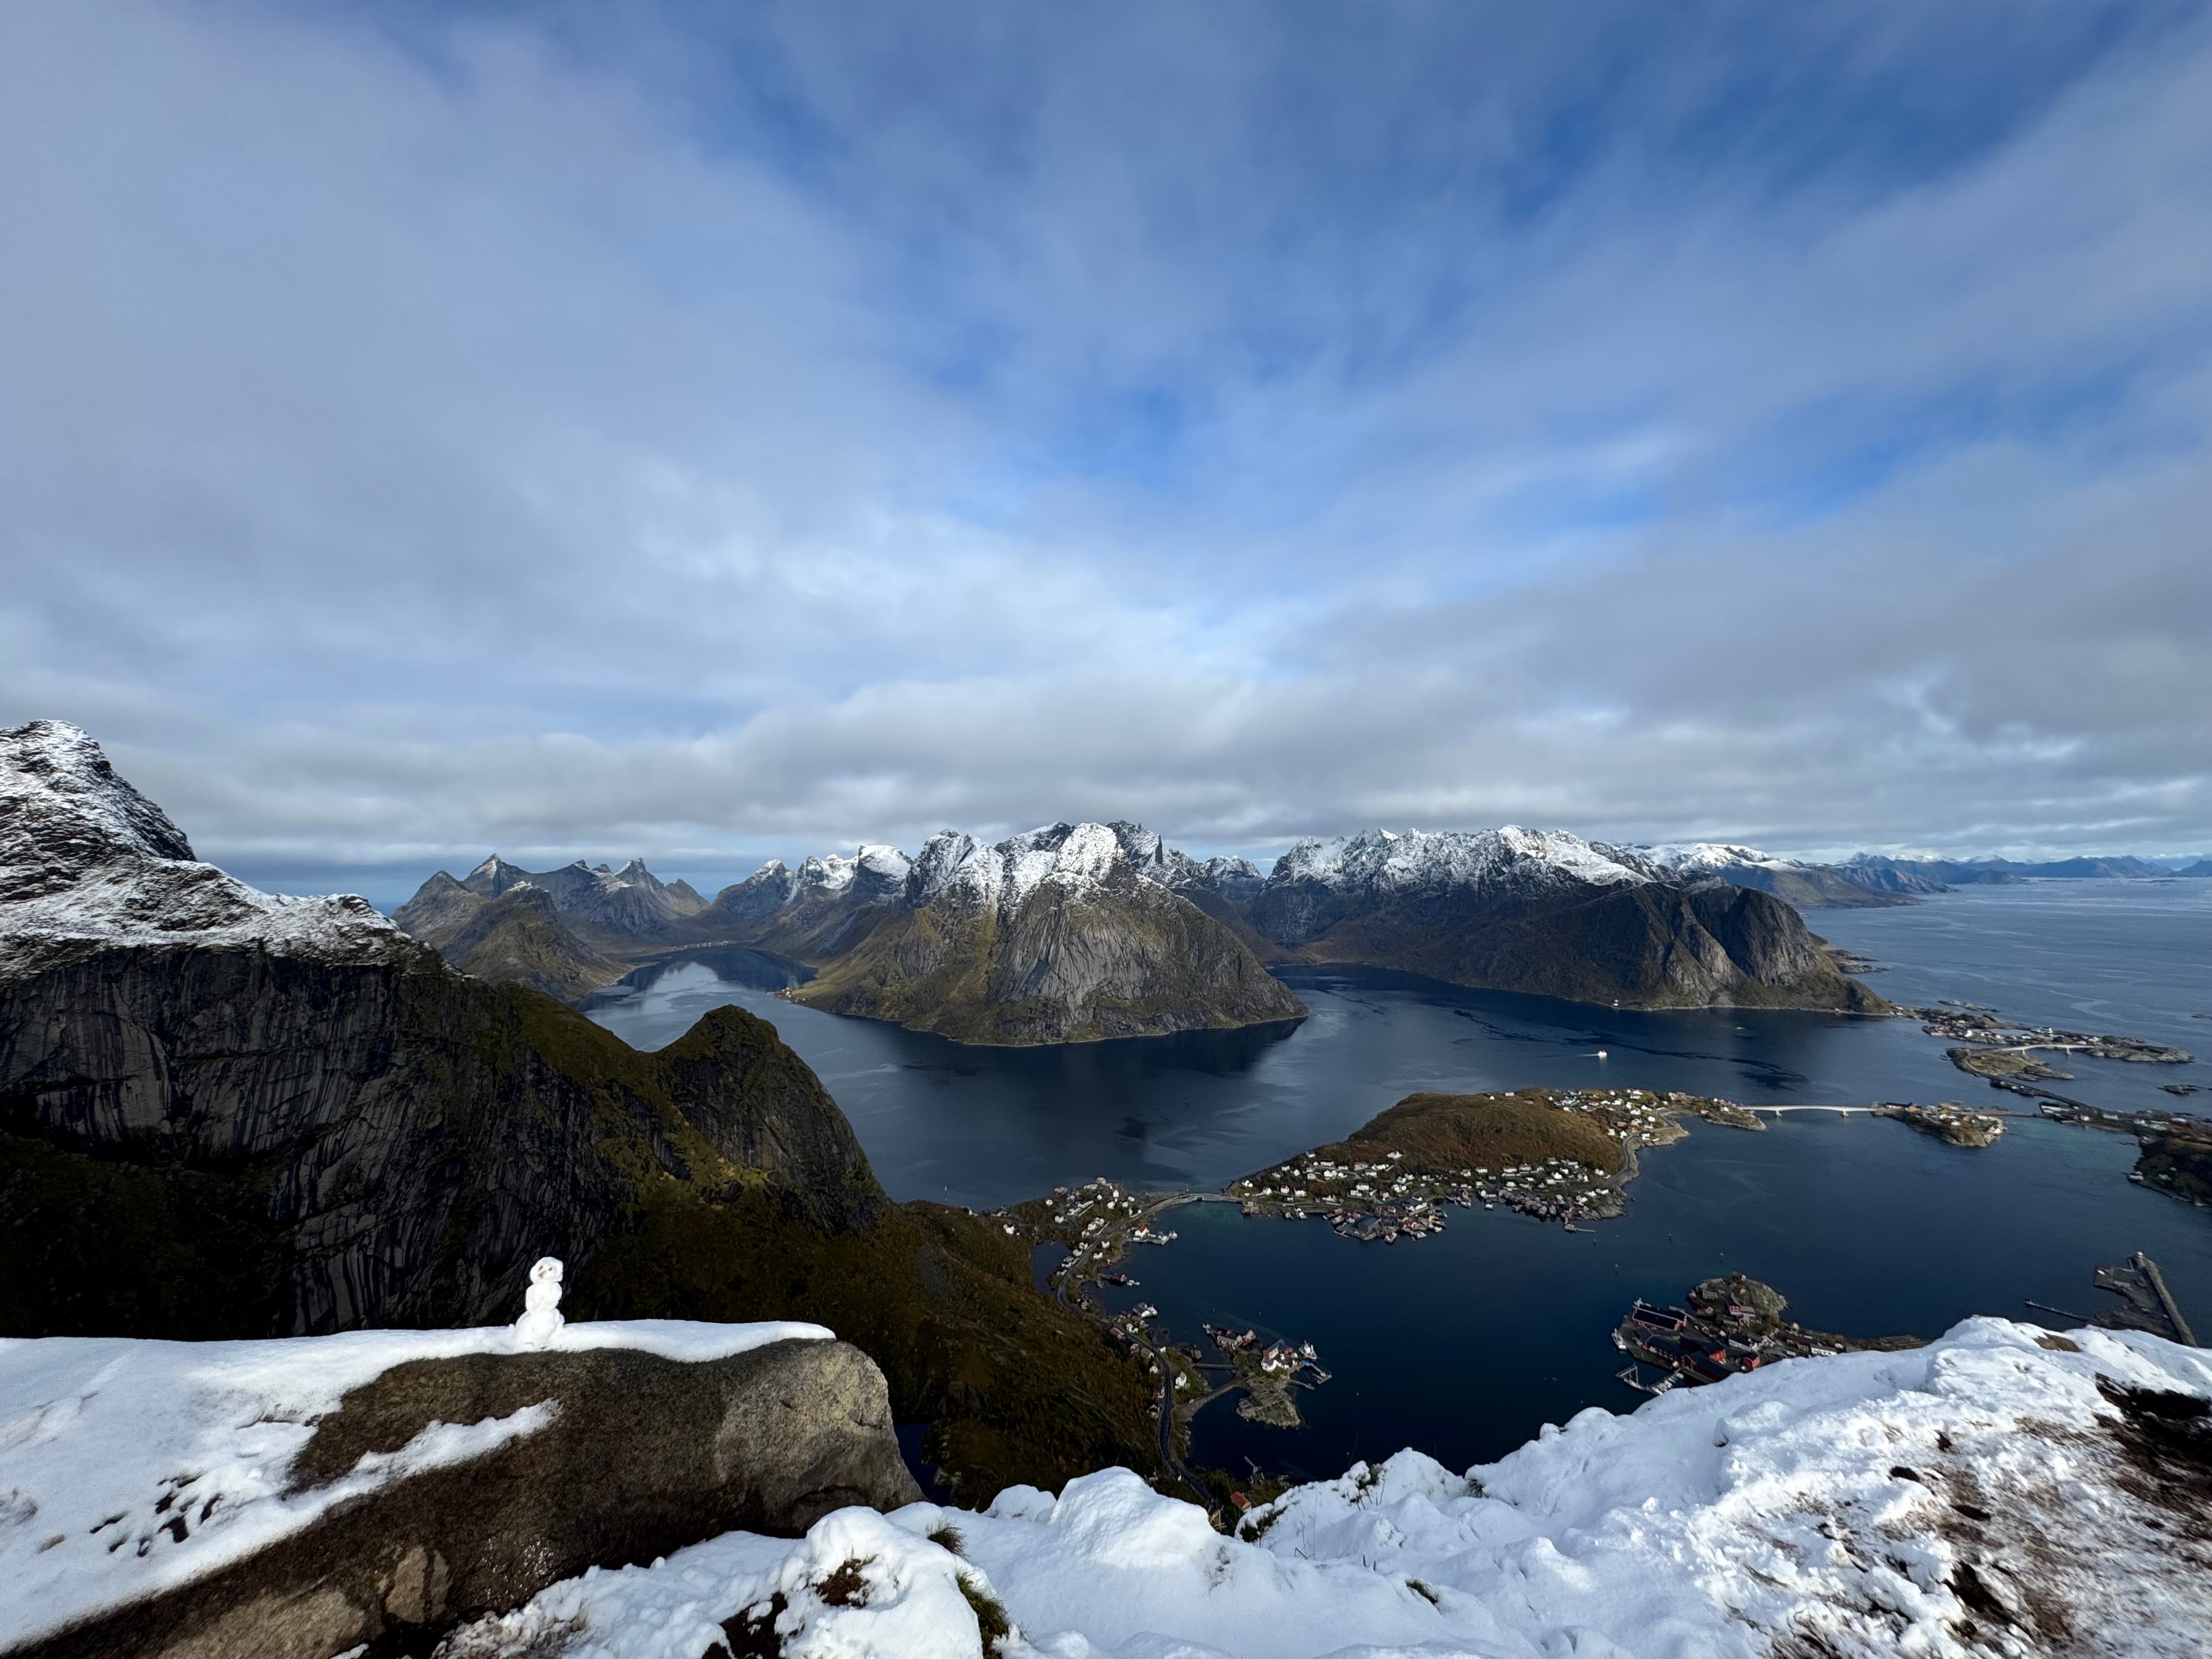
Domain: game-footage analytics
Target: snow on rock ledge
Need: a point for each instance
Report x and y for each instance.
(2000, 1492)
(86, 860)
(131, 1467)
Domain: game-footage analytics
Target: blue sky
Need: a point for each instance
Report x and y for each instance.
(712, 431)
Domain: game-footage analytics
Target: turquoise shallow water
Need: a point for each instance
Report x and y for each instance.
(1465, 1344)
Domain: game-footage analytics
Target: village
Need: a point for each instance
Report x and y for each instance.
(1386, 1196)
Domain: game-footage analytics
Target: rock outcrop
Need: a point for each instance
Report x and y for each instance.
(609, 1457)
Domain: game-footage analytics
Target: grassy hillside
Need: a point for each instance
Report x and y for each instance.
(1459, 1132)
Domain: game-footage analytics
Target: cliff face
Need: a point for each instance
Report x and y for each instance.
(1052, 937)
(413, 1139)
(1548, 914)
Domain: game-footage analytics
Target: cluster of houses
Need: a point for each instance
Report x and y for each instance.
(1964, 1022)
(1719, 1340)
(1380, 1201)
(1286, 1358)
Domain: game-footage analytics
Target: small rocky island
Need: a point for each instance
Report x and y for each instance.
(1732, 1325)
(1948, 1121)
(2003, 1053)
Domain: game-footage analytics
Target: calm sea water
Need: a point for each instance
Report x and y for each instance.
(1465, 1344)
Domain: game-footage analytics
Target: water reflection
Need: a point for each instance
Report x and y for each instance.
(987, 1126)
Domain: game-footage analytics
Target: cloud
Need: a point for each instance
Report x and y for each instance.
(714, 436)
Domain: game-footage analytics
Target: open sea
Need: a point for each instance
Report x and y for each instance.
(1463, 1344)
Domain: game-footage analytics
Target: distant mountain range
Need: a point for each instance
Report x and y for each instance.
(1972, 873)
(1076, 932)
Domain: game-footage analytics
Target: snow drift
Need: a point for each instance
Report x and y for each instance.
(2000, 1492)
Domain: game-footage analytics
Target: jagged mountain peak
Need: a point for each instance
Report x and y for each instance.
(1705, 857)
(1412, 860)
(87, 861)
(63, 807)
(1078, 857)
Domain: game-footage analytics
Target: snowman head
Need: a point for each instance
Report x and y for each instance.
(546, 1271)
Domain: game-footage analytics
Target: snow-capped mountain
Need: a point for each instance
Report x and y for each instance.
(1378, 863)
(1543, 911)
(86, 862)
(1806, 885)
(1711, 858)
(1065, 933)
(631, 899)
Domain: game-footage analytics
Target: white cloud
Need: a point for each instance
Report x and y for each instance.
(411, 444)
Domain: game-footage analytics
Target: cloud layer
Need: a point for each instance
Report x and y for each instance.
(709, 437)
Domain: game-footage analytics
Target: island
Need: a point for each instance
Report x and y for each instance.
(2002, 1052)
(1732, 1325)
(1948, 1121)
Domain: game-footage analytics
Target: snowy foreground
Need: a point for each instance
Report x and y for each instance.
(127, 1467)
(1984, 1495)
(2000, 1492)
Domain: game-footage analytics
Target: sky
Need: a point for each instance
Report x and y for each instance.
(716, 431)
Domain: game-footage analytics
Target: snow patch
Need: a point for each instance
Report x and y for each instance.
(1710, 858)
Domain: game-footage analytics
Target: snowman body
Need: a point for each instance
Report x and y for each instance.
(540, 1320)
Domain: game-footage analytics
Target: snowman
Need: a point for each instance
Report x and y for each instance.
(540, 1320)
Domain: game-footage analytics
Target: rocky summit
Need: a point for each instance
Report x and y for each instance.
(1054, 936)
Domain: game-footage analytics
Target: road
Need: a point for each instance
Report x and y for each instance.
(1168, 1461)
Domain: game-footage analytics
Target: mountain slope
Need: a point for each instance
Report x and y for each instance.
(604, 907)
(1546, 913)
(1807, 886)
(521, 938)
(1048, 937)
(223, 1113)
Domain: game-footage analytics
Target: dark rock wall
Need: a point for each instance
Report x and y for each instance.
(417, 1137)
(1648, 944)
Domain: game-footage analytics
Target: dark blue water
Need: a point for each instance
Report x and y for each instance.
(2133, 957)
(1464, 1345)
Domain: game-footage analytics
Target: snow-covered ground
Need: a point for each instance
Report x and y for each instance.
(127, 1466)
(1997, 1492)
